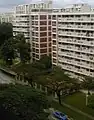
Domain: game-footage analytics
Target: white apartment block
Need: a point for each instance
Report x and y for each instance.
(34, 21)
(6, 17)
(73, 39)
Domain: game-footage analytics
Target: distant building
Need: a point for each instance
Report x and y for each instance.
(34, 21)
(6, 17)
(73, 39)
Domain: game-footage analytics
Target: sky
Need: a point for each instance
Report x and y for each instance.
(6, 5)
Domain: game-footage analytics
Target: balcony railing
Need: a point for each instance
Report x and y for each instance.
(73, 55)
(79, 42)
(78, 27)
(83, 19)
(75, 34)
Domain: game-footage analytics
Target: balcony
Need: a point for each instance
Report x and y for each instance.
(74, 55)
(78, 42)
(75, 19)
(21, 29)
(22, 19)
(75, 34)
(75, 70)
(76, 27)
(21, 24)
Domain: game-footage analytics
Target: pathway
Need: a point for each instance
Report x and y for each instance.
(85, 91)
(5, 79)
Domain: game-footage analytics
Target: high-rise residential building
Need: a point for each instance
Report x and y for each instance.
(34, 21)
(73, 39)
(6, 17)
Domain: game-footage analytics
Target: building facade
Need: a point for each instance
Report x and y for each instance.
(34, 21)
(73, 39)
(6, 17)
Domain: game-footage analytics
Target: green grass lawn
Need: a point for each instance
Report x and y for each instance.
(2, 62)
(69, 112)
(78, 100)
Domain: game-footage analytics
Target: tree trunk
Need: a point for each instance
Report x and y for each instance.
(30, 81)
(88, 92)
(59, 98)
(31, 84)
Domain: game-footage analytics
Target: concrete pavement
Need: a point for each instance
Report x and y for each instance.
(5, 79)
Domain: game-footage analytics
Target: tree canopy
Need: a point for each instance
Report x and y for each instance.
(7, 51)
(6, 32)
(22, 47)
(22, 103)
(88, 84)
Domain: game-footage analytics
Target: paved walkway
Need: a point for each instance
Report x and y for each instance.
(5, 79)
(76, 110)
(85, 91)
(7, 71)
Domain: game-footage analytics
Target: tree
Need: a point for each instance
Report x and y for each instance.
(6, 32)
(57, 87)
(28, 72)
(46, 61)
(58, 81)
(22, 48)
(7, 51)
(88, 83)
(22, 103)
(91, 101)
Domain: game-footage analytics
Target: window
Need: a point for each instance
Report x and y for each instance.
(36, 17)
(33, 49)
(54, 48)
(49, 17)
(42, 17)
(50, 50)
(43, 28)
(37, 50)
(54, 42)
(36, 23)
(54, 36)
(37, 56)
(54, 17)
(43, 50)
(54, 30)
(43, 34)
(33, 54)
(49, 23)
(43, 22)
(49, 34)
(53, 23)
(49, 28)
(43, 39)
(54, 60)
(50, 38)
(37, 45)
(49, 44)
(43, 45)
(54, 54)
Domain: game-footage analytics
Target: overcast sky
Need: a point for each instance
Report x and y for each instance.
(5, 5)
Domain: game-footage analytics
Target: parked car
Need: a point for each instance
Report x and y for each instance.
(60, 115)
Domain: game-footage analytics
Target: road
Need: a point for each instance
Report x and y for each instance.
(4, 78)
